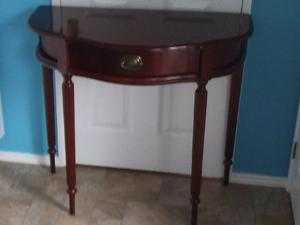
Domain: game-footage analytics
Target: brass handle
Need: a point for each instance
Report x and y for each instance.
(132, 62)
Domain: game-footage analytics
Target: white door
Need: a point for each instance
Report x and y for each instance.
(294, 175)
(146, 128)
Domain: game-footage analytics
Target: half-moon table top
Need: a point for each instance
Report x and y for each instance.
(141, 47)
(138, 27)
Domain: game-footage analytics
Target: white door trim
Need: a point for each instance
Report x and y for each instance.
(294, 166)
(292, 162)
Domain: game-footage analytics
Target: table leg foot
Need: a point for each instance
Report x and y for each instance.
(72, 194)
(194, 214)
(52, 153)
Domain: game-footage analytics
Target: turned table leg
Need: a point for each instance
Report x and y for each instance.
(235, 88)
(50, 115)
(198, 145)
(69, 120)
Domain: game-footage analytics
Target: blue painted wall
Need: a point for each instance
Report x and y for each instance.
(269, 97)
(20, 79)
(271, 89)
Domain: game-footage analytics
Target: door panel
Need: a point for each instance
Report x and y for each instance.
(176, 102)
(146, 128)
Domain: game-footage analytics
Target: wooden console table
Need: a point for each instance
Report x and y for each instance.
(141, 47)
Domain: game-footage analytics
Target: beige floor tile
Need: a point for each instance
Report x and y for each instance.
(34, 213)
(12, 211)
(29, 195)
(270, 200)
(107, 213)
(271, 219)
(138, 213)
(175, 191)
(90, 179)
(66, 219)
(130, 186)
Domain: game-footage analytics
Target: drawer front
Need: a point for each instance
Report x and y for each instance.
(145, 66)
(155, 62)
(134, 62)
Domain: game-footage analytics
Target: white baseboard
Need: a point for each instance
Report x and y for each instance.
(26, 158)
(239, 178)
(259, 180)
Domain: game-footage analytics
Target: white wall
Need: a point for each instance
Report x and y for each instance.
(217, 88)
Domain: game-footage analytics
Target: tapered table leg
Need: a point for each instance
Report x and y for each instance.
(198, 145)
(69, 120)
(50, 115)
(235, 88)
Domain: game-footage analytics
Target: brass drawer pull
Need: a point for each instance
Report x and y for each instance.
(132, 62)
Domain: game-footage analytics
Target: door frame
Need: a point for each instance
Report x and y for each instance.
(295, 200)
(292, 160)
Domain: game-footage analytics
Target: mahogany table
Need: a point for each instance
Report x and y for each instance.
(141, 47)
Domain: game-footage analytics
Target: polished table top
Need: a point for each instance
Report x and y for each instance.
(147, 28)
(142, 47)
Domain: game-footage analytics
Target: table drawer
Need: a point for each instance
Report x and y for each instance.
(133, 61)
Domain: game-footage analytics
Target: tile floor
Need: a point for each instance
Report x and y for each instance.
(30, 196)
